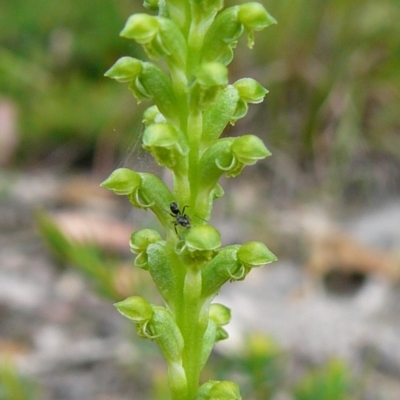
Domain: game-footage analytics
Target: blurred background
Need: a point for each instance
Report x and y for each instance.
(321, 323)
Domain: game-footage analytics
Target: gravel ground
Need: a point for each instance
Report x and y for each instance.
(77, 347)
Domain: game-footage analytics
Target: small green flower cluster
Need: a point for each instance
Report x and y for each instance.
(193, 104)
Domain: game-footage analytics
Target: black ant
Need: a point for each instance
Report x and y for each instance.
(180, 217)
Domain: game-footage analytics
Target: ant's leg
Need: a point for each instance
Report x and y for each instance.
(183, 210)
(201, 218)
(176, 230)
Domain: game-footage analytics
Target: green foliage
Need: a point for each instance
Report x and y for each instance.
(262, 368)
(51, 58)
(331, 382)
(332, 67)
(13, 386)
(89, 260)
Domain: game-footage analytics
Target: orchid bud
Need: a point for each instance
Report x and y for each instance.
(144, 190)
(214, 163)
(141, 27)
(227, 156)
(159, 37)
(122, 181)
(146, 81)
(154, 194)
(250, 90)
(221, 315)
(153, 116)
(139, 242)
(154, 322)
(201, 242)
(168, 146)
(135, 308)
(229, 25)
(218, 390)
(255, 254)
(209, 6)
(125, 70)
(225, 390)
(248, 149)
(210, 78)
(254, 17)
(152, 5)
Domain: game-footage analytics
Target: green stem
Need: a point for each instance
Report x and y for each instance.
(193, 328)
(190, 317)
(194, 130)
(198, 28)
(182, 189)
(178, 272)
(179, 81)
(176, 380)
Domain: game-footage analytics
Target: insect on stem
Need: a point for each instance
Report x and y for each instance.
(181, 219)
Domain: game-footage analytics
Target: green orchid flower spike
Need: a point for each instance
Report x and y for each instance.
(192, 103)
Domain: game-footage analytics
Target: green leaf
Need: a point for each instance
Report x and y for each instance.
(222, 36)
(162, 272)
(153, 193)
(218, 115)
(167, 334)
(214, 162)
(209, 340)
(219, 270)
(159, 85)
